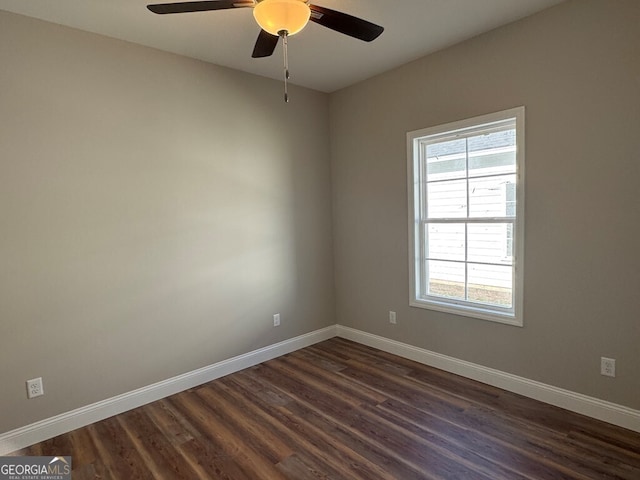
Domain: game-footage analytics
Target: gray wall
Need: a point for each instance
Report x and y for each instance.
(576, 68)
(155, 212)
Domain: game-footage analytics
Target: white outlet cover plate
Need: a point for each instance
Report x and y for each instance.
(608, 366)
(35, 388)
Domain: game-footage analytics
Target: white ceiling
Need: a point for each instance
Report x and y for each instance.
(318, 58)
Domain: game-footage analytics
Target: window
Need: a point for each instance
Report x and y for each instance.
(466, 220)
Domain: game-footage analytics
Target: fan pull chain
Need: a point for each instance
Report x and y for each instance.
(285, 35)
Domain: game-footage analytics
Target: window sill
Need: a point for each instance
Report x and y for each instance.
(465, 311)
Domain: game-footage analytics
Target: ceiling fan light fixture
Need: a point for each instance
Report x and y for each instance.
(275, 16)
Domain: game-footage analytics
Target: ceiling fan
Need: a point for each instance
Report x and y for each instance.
(280, 19)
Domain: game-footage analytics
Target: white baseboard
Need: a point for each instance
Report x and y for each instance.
(592, 407)
(37, 432)
(63, 423)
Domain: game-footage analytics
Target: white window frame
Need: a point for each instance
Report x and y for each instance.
(417, 205)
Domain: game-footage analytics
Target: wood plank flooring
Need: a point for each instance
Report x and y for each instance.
(340, 410)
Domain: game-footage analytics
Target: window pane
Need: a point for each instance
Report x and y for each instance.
(445, 241)
(445, 279)
(446, 160)
(447, 199)
(511, 199)
(491, 197)
(490, 243)
(492, 284)
(493, 153)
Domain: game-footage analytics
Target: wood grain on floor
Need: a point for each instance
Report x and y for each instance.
(340, 410)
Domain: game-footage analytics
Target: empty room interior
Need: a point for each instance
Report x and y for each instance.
(425, 264)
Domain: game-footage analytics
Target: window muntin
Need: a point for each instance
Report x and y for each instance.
(466, 225)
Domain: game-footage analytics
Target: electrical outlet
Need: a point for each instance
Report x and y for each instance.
(392, 318)
(608, 367)
(34, 388)
(276, 320)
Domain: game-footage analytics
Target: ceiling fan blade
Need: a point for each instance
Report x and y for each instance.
(204, 6)
(349, 25)
(265, 45)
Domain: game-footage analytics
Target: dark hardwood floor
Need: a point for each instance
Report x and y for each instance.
(340, 410)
